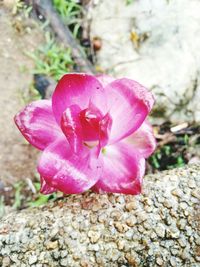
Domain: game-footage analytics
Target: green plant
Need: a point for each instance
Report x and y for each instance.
(2, 206)
(167, 157)
(20, 6)
(70, 12)
(52, 59)
(128, 2)
(40, 198)
(18, 195)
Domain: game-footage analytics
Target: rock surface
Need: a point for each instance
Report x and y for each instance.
(156, 43)
(161, 227)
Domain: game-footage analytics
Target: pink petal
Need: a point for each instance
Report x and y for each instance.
(71, 126)
(95, 126)
(105, 128)
(105, 79)
(143, 140)
(122, 172)
(67, 171)
(77, 89)
(129, 104)
(37, 124)
(45, 188)
(90, 118)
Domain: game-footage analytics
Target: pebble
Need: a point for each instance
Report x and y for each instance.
(64, 262)
(182, 224)
(63, 253)
(182, 241)
(159, 261)
(183, 205)
(162, 236)
(173, 262)
(191, 184)
(167, 204)
(32, 259)
(160, 230)
(196, 193)
(93, 247)
(52, 245)
(131, 206)
(177, 192)
(6, 262)
(122, 228)
(131, 221)
(94, 236)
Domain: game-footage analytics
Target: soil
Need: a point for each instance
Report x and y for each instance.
(18, 35)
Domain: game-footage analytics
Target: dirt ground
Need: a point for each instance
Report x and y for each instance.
(17, 158)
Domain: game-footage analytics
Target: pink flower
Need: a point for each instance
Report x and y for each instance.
(93, 134)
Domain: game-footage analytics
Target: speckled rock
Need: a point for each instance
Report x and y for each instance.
(157, 43)
(160, 227)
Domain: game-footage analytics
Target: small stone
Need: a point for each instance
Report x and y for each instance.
(94, 236)
(116, 215)
(93, 247)
(183, 205)
(141, 217)
(56, 255)
(131, 260)
(148, 208)
(167, 204)
(102, 218)
(64, 262)
(174, 251)
(140, 228)
(189, 231)
(177, 192)
(147, 226)
(160, 230)
(63, 253)
(122, 228)
(196, 193)
(6, 262)
(173, 261)
(84, 263)
(191, 239)
(131, 221)
(32, 259)
(96, 207)
(182, 242)
(191, 184)
(153, 236)
(76, 256)
(93, 219)
(173, 233)
(131, 206)
(159, 261)
(52, 245)
(197, 258)
(185, 254)
(121, 244)
(182, 224)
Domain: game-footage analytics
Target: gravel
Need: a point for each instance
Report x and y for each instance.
(160, 227)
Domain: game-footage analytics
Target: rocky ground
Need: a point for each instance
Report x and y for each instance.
(156, 43)
(161, 227)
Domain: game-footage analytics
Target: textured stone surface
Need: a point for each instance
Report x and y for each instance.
(156, 43)
(161, 227)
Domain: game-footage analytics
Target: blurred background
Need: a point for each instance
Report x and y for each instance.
(154, 42)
